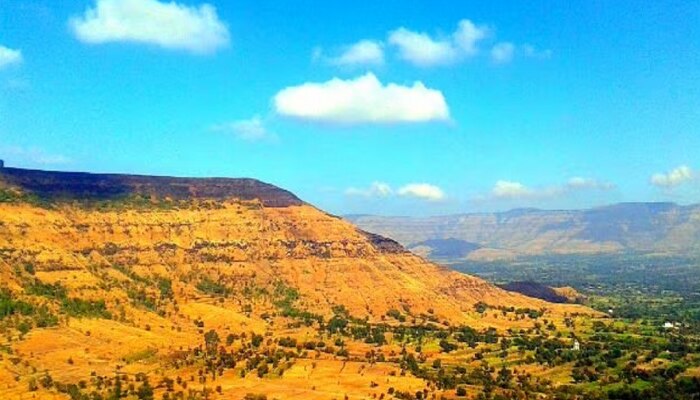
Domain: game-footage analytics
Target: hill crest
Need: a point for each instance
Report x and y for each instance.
(55, 185)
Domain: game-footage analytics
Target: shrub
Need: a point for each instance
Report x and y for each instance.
(208, 286)
(29, 268)
(86, 308)
(446, 346)
(287, 342)
(165, 286)
(10, 306)
(262, 370)
(256, 340)
(48, 290)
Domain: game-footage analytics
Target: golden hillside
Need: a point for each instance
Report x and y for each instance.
(242, 244)
(127, 283)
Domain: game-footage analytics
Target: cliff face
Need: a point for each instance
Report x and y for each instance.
(659, 227)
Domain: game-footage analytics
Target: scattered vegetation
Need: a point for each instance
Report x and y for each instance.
(210, 287)
(77, 307)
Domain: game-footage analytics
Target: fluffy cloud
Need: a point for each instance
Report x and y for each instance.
(376, 189)
(467, 36)
(361, 100)
(508, 190)
(364, 52)
(502, 52)
(168, 25)
(9, 56)
(423, 50)
(673, 178)
(423, 191)
(251, 130)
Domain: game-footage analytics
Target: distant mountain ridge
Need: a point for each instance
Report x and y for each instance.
(632, 227)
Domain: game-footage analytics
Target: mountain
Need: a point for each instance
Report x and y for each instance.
(258, 232)
(626, 227)
(104, 273)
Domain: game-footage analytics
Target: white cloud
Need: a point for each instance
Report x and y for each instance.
(169, 25)
(468, 35)
(423, 191)
(9, 56)
(423, 50)
(33, 155)
(509, 190)
(673, 178)
(361, 100)
(376, 189)
(364, 52)
(251, 130)
(420, 49)
(502, 52)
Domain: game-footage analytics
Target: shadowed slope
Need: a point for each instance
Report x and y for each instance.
(54, 185)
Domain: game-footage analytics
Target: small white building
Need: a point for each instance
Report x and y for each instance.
(668, 325)
(577, 346)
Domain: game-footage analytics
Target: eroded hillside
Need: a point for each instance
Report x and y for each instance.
(133, 281)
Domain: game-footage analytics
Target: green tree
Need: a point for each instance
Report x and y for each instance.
(145, 391)
(211, 340)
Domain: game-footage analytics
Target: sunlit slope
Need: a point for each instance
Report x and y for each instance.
(239, 245)
(235, 233)
(106, 276)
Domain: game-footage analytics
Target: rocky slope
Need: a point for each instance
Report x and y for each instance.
(240, 232)
(106, 277)
(637, 227)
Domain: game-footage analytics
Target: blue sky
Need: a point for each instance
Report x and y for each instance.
(393, 107)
